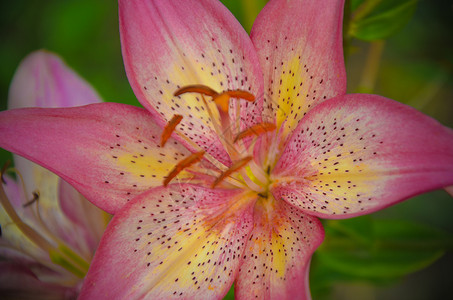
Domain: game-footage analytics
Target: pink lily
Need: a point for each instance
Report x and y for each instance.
(49, 231)
(235, 193)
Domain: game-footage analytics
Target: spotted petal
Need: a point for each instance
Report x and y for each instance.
(170, 44)
(181, 241)
(356, 154)
(278, 252)
(107, 157)
(299, 44)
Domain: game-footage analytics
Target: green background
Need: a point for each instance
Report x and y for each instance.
(415, 68)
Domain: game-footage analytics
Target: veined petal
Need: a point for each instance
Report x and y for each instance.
(181, 241)
(299, 44)
(89, 221)
(170, 44)
(43, 80)
(107, 157)
(356, 154)
(277, 256)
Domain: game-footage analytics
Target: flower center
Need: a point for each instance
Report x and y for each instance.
(244, 171)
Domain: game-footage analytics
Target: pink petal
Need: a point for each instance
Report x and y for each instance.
(13, 191)
(278, 252)
(43, 80)
(170, 44)
(88, 221)
(356, 154)
(18, 282)
(181, 241)
(81, 237)
(301, 52)
(108, 152)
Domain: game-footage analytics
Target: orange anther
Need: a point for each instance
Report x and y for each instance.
(169, 128)
(241, 94)
(257, 130)
(185, 163)
(236, 166)
(223, 100)
(196, 88)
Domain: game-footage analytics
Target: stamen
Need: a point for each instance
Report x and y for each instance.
(73, 263)
(185, 163)
(35, 198)
(169, 128)
(236, 166)
(222, 100)
(257, 130)
(28, 231)
(196, 88)
(241, 94)
(224, 128)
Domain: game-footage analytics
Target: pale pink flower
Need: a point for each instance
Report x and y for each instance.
(48, 230)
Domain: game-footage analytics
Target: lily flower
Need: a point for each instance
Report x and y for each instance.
(48, 230)
(243, 143)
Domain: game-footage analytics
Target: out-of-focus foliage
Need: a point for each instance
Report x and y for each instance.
(378, 19)
(414, 66)
(367, 249)
(245, 11)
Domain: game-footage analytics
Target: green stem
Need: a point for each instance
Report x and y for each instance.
(250, 9)
(428, 91)
(364, 9)
(371, 70)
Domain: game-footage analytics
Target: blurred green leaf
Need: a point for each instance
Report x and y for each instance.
(360, 229)
(380, 264)
(230, 294)
(323, 278)
(245, 10)
(379, 19)
(379, 250)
